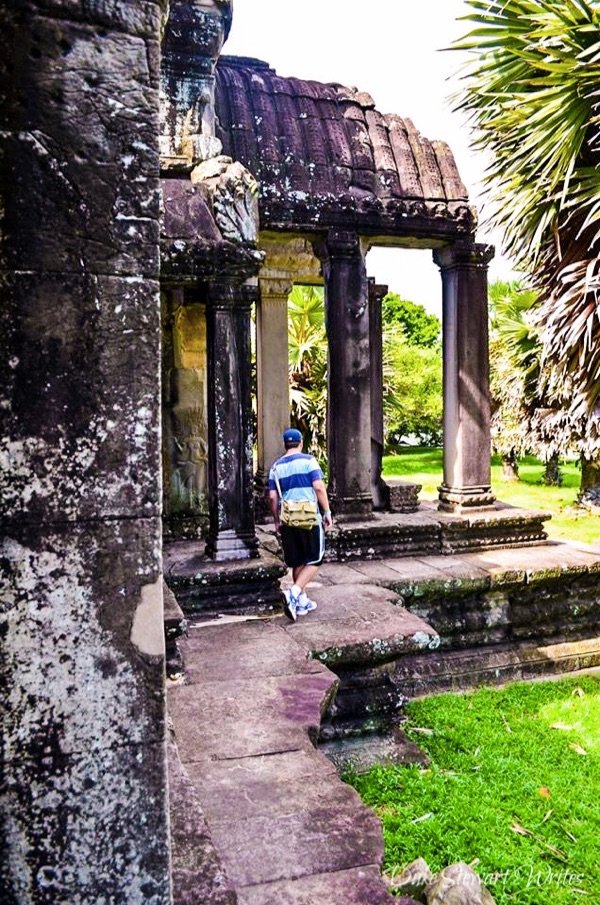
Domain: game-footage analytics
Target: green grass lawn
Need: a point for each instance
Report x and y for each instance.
(424, 466)
(513, 785)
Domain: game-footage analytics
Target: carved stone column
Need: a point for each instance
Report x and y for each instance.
(349, 374)
(467, 447)
(272, 372)
(231, 505)
(379, 488)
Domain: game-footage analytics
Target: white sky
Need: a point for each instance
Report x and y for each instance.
(392, 49)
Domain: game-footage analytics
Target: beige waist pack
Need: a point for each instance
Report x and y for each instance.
(297, 513)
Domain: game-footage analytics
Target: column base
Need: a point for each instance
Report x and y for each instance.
(355, 508)
(231, 545)
(465, 499)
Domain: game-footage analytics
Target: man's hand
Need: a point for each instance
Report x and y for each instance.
(327, 520)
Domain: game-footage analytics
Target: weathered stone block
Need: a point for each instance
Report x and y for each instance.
(80, 403)
(404, 496)
(82, 153)
(205, 587)
(83, 634)
(79, 823)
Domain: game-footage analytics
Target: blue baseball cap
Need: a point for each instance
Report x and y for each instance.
(291, 435)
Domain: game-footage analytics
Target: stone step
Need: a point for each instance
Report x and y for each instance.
(357, 886)
(249, 586)
(359, 631)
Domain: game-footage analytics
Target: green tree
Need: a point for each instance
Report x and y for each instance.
(307, 341)
(420, 328)
(516, 394)
(412, 398)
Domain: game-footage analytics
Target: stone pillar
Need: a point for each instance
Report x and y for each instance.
(83, 803)
(230, 473)
(349, 374)
(467, 446)
(272, 373)
(379, 488)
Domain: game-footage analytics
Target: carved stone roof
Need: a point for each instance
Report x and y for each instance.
(325, 156)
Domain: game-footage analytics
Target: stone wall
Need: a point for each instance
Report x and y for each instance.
(83, 807)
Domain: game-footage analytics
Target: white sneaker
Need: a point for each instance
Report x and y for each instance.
(290, 607)
(305, 605)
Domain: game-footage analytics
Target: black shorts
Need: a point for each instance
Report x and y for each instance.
(302, 547)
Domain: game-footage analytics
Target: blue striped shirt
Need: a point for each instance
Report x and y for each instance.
(296, 474)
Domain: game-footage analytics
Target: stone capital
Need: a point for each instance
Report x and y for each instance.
(377, 291)
(274, 289)
(290, 258)
(229, 295)
(339, 244)
(464, 254)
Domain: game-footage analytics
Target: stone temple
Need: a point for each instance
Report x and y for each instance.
(156, 193)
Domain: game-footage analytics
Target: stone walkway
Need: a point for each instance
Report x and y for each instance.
(256, 806)
(284, 827)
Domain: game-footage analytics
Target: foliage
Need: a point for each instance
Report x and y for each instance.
(525, 414)
(419, 327)
(307, 341)
(512, 785)
(514, 368)
(532, 90)
(412, 380)
(424, 466)
(412, 372)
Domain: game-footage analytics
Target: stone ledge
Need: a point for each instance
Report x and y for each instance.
(205, 587)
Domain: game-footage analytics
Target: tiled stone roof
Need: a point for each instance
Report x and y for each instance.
(324, 155)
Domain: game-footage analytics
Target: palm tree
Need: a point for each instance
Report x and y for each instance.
(532, 89)
(307, 341)
(514, 372)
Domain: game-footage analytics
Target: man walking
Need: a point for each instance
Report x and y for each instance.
(297, 476)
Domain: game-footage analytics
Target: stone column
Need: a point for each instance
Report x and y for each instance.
(194, 36)
(230, 473)
(467, 446)
(349, 374)
(379, 488)
(83, 802)
(272, 373)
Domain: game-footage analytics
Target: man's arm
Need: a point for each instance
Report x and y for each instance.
(321, 491)
(274, 504)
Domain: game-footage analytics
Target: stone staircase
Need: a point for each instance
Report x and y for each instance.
(267, 708)
(247, 771)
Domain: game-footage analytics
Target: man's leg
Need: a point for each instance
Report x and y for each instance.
(303, 575)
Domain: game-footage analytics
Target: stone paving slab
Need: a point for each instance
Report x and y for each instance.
(373, 631)
(263, 849)
(246, 717)
(270, 785)
(196, 871)
(358, 886)
(516, 564)
(255, 649)
(410, 568)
